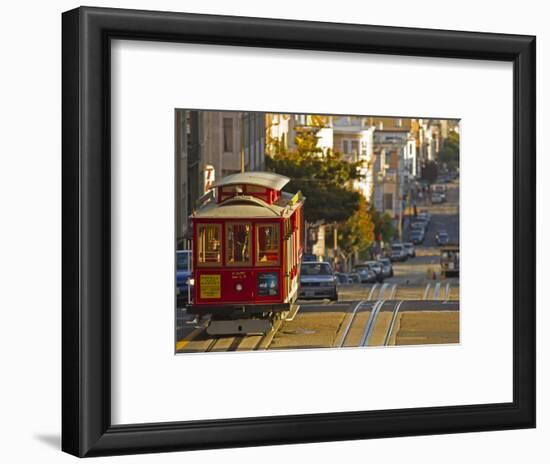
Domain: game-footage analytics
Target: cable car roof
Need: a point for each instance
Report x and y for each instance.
(239, 210)
(250, 207)
(261, 178)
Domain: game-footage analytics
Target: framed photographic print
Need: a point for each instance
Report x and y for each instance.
(286, 231)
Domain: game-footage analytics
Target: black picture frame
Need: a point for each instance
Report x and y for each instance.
(86, 275)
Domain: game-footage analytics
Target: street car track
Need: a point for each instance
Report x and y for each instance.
(371, 323)
(392, 323)
(211, 344)
(347, 330)
(366, 323)
(236, 342)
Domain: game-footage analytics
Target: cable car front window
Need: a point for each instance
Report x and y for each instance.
(209, 244)
(238, 243)
(268, 244)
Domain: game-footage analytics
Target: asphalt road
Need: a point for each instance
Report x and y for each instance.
(444, 216)
(421, 269)
(343, 324)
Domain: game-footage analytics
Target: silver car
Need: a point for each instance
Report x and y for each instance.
(366, 273)
(409, 247)
(387, 268)
(317, 280)
(398, 252)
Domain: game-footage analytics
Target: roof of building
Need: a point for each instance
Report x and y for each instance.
(263, 179)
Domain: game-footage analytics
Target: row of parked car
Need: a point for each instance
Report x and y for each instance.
(418, 227)
(369, 272)
(318, 280)
(402, 251)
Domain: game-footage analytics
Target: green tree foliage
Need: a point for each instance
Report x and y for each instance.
(383, 225)
(450, 151)
(357, 233)
(324, 178)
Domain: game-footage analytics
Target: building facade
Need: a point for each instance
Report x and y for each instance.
(210, 145)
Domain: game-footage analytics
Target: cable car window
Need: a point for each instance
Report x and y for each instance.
(268, 244)
(238, 243)
(232, 189)
(209, 244)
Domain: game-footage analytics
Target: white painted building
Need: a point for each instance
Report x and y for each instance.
(395, 162)
(349, 135)
(354, 137)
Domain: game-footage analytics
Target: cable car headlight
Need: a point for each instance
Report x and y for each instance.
(191, 281)
(238, 287)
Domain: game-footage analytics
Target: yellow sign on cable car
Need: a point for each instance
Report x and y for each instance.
(210, 285)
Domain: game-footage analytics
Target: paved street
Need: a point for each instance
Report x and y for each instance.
(415, 306)
(444, 216)
(340, 324)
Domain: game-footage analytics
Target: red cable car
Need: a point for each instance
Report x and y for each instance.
(247, 247)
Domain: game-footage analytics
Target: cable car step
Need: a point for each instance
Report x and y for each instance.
(239, 326)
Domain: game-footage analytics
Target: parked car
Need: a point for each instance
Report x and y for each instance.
(387, 268)
(419, 224)
(183, 276)
(424, 221)
(417, 236)
(317, 280)
(409, 247)
(342, 278)
(308, 257)
(377, 268)
(442, 238)
(354, 278)
(438, 198)
(398, 252)
(424, 216)
(366, 273)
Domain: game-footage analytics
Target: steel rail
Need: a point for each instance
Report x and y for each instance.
(268, 337)
(393, 291)
(436, 290)
(210, 346)
(372, 290)
(427, 291)
(382, 291)
(392, 322)
(350, 323)
(371, 322)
